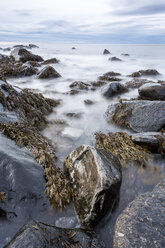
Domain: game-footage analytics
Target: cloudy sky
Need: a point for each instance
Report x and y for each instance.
(94, 21)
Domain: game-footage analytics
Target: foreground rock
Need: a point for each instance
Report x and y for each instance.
(142, 223)
(38, 235)
(48, 72)
(96, 178)
(114, 88)
(106, 52)
(152, 91)
(140, 116)
(21, 54)
(149, 72)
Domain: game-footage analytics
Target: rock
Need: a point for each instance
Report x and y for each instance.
(114, 88)
(73, 48)
(88, 102)
(136, 83)
(99, 83)
(79, 85)
(142, 223)
(125, 54)
(33, 46)
(106, 52)
(109, 76)
(73, 92)
(72, 133)
(115, 59)
(50, 61)
(48, 72)
(140, 116)
(21, 54)
(39, 235)
(96, 178)
(152, 91)
(151, 140)
(7, 49)
(149, 72)
(74, 115)
(32, 63)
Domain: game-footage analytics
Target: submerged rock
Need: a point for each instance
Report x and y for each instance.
(106, 52)
(79, 85)
(114, 88)
(95, 177)
(125, 54)
(48, 72)
(21, 54)
(115, 59)
(50, 61)
(140, 116)
(39, 235)
(152, 91)
(88, 102)
(142, 223)
(149, 72)
(110, 76)
(33, 46)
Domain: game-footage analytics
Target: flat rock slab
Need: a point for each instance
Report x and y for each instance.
(140, 116)
(38, 235)
(142, 223)
(95, 177)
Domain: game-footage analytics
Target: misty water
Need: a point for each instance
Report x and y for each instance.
(86, 63)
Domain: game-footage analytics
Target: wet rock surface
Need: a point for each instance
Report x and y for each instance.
(149, 72)
(142, 223)
(50, 61)
(95, 177)
(140, 116)
(114, 88)
(152, 91)
(22, 55)
(48, 72)
(39, 235)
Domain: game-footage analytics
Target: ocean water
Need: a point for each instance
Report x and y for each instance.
(86, 63)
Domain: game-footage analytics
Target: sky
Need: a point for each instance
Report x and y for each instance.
(83, 21)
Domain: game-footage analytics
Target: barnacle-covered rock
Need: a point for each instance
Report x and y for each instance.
(95, 177)
(121, 145)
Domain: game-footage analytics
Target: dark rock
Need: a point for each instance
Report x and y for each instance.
(96, 178)
(152, 91)
(99, 83)
(149, 72)
(140, 116)
(21, 54)
(21, 46)
(74, 115)
(73, 92)
(39, 235)
(125, 54)
(7, 49)
(88, 102)
(73, 48)
(136, 83)
(114, 88)
(79, 85)
(108, 75)
(33, 46)
(50, 61)
(151, 140)
(142, 223)
(115, 59)
(32, 63)
(106, 52)
(48, 72)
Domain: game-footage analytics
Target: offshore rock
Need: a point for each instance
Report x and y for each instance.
(140, 116)
(149, 72)
(152, 91)
(21, 54)
(106, 52)
(95, 177)
(142, 223)
(39, 235)
(48, 72)
(115, 59)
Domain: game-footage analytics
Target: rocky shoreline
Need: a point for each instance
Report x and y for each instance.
(91, 176)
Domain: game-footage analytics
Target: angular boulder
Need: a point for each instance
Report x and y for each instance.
(95, 178)
(142, 223)
(21, 54)
(106, 52)
(148, 72)
(140, 116)
(152, 91)
(115, 59)
(39, 235)
(48, 72)
(114, 88)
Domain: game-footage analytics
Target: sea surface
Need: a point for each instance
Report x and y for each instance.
(86, 63)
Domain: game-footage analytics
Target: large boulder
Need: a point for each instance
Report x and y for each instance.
(95, 177)
(114, 88)
(142, 223)
(48, 72)
(21, 54)
(148, 72)
(152, 91)
(140, 116)
(39, 235)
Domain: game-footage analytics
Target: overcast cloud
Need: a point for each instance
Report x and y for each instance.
(108, 21)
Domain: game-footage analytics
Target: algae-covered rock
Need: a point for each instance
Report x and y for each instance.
(121, 145)
(48, 72)
(39, 235)
(21, 54)
(148, 72)
(95, 177)
(140, 116)
(50, 61)
(137, 82)
(142, 223)
(79, 85)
